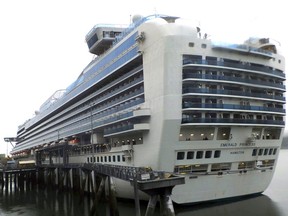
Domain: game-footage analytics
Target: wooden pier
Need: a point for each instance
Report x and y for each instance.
(96, 180)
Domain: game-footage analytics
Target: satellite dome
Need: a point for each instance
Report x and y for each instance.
(136, 18)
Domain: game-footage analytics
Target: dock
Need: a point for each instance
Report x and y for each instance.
(94, 179)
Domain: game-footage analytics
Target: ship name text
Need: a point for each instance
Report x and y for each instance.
(228, 145)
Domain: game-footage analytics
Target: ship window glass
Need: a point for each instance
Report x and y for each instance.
(109, 158)
(208, 154)
(203, 46)
(87, 159)
(118, 158)
(101, 158)
(199, 168)
(105, 158)
(270, 151)
(254, 152)
(223, 133)
(199, 154)
(180, 155)
(268, 163)
(98, 159)
(217, 154)
(114, 158)
(265, 151)
(246, 165)
(191, 44)
(220, 167)
(265, 163)
(123, 158)
(190, 154)
(272, 133)
(182, 169)
(275, 151)
(260, 152)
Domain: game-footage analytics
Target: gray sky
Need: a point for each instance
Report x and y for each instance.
(42, 42)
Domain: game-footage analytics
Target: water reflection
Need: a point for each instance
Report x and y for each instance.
(53, 203)
(259, 205)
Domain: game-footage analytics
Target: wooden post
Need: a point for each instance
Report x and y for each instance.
(151, 205)
(93, 210)
(112, 198)
(136, 196)
(166, 205)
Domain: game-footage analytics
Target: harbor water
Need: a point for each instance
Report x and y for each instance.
(273, 202)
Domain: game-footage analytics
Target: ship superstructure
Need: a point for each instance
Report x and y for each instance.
(162, 94)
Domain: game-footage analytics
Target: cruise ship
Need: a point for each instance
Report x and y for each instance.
(161, 93)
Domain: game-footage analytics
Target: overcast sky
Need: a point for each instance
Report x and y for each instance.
(42, 42)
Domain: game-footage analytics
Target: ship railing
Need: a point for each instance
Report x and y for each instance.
(240, 47)
(232, 121)
(235, 79)
(92, 78)
(247, 66)
(232, 106)
(231, 92)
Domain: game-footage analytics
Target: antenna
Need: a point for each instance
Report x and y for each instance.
(155, 11)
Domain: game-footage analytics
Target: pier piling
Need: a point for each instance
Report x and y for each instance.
(84, 178)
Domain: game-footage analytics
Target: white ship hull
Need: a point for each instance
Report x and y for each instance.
(166, 96)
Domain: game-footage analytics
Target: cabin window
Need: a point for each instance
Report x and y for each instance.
(260, 152)
(217, 154)
(208, 154)
(191, 44)
(118, 158)
(270, 151)
(199, 154)
(180, 155)
(114, 158)
(190, 155)
(203, 46)
(254, 152)
(275, 151)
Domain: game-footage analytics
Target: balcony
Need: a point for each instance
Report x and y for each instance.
(126, 129)
(231, 65)
(191, 106)
(229, 121)
(192, 90)
(229, 79)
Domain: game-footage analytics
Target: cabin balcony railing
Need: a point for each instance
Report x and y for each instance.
(234, 79)
(187, 90)
(187, 105)
(239, 65)
(232, 121)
